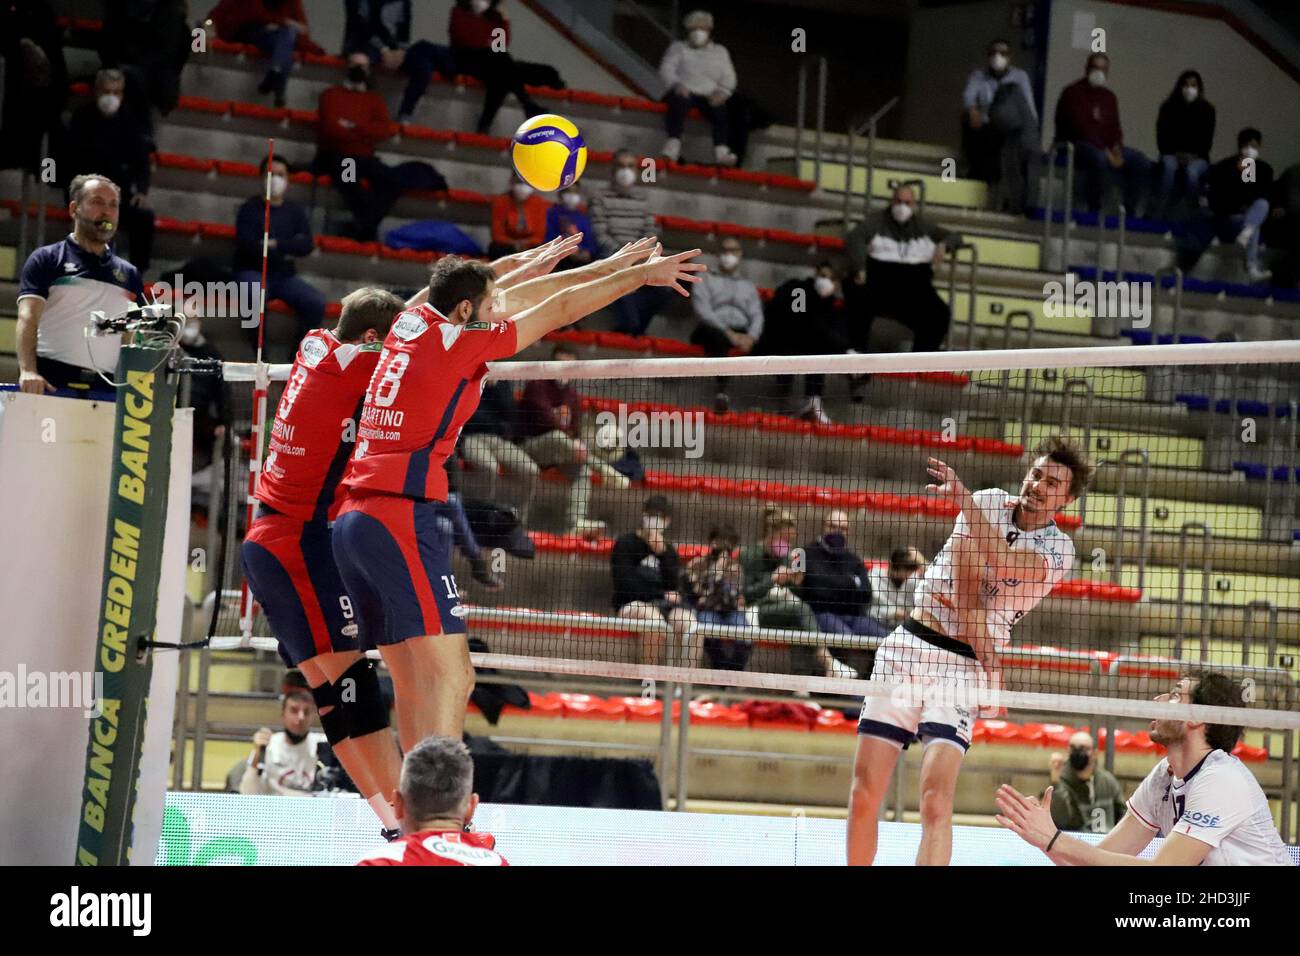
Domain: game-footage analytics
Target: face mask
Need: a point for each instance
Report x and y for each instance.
(278, 185)
(824, 286)
(1079, 758)
(190, 335)
(571, 200)
(109, 103)
(1250, 152)
(654, 522)
(479, 6)
(625, 176)
(522, 191)
(780, 548)
(998, 62)
(358, 75)
(901, 212)
(729, 260)
(834, 540)
(1097, 77)
(1190, 93)
(698, 37)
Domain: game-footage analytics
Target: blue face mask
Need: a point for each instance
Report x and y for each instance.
(834, 540)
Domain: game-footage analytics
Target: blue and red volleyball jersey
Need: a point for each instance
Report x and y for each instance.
(315, 426)
(426, 386)
(437, 848)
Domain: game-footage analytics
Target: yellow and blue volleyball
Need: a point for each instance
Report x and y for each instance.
(548, 152)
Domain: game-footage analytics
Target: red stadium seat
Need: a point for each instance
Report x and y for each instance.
(227, 167)
(692, 169)
(786, 237)
(546, 93)
(717, 715)
(738, 230)
(593, 99)
(639, 105)
(482, 141)
(683, 224)
(258, 111)
(779, 181)
(188, 163)
(217, 230)
(412, 131)
(743, 176)
(201, 104)
(304, 117)
(176, 226)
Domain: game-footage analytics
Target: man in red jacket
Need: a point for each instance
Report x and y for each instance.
(1087, 115)
(435, 803)
(276, 27)
(518, 220)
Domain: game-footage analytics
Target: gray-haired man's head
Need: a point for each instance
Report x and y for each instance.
(437, 783)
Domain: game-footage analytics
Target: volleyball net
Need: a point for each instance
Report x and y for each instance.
(626, 524)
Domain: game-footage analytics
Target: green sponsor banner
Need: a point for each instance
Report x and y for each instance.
(137, 517)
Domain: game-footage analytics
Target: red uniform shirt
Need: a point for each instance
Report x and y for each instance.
(311, 437)
(437, 848)
(427, 385)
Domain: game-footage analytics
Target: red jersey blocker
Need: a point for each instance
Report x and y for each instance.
(394, 558)
(437, 848)
(287, 558)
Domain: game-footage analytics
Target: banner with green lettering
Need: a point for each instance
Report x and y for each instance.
(137, 518)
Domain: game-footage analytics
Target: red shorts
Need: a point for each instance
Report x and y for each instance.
(394, 556)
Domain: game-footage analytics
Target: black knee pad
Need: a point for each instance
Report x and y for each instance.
(362, 699)
(333, 723)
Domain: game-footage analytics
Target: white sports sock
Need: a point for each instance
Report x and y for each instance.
(384, 810)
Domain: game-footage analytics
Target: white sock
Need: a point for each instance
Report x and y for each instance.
(384, 810)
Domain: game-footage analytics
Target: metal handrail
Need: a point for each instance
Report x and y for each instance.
(1067, 206)
(869, 127)
(801, 109)
(649, 18)
(1207, 539)
(1120, 227)
(1121, 242)
(1117, 566)
(1071, 386)
(972, 282)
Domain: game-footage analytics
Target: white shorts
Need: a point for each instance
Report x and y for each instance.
(934, 698)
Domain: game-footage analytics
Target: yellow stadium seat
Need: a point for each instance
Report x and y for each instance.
(1168, 515)
(967, 193)
(1235, 588)
(1110, 382)
(1005, 304)
(1172, 451)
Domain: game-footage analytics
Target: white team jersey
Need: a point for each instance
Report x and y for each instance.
(1006, 600)
(1219, 802)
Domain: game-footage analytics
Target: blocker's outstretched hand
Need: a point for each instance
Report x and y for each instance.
(632, 253)
(673, 270)
(541, 260)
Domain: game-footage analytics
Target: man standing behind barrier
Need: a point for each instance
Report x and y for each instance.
(1084, 796)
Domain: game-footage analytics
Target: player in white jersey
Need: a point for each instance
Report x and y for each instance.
(1005, 555)
(1205, 802)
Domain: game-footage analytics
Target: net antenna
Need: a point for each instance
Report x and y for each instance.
(261, 382)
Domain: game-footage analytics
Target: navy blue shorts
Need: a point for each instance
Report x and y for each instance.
(289, 566)
(394, 555)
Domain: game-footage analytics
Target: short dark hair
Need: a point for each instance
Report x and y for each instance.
(367, 308)
(1097, 53)
(657, 505)
(904, 558)
(724, 531)
(453, 280)
(267, 160)
(299, 694)
(1247, 135)
(998, 41)
(78, 185)
(1214, 689)
(437, 778)
(1064, 450)
(624, 152)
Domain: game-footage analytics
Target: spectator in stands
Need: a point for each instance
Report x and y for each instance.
(453, 520)
(1282, 231)
(114, 136)
(276, 27)
(1087, 114)
(206, 395)
(150, 41)
(35, 84)
(803, 318)
(836, 586)
(728, 313)
(716, 586)
(647, 576)
(381, 29)
(486, 445)
(480, 40)
(64, 282)
(518, 220)
(1184, 135)
(284, 763)
(1085, 796)
(291, 238)
(549, 425)
(621, 215)
(770, 582)
(1238, 189)
(893, 254)
(893, 587)
(569, 217)
(698, 72)
(1000, 125)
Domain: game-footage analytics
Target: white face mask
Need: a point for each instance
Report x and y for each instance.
(729, 260)
(479, 6)
(1097, 77)
(1250, 152)
(698, 37)
(998, 61)
(824, 286)
(624, 176)
(1190, 93)
(654, 522)
(109, 103)
(571, 200)
(901, 212)
(522, 191)
(278, 185)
